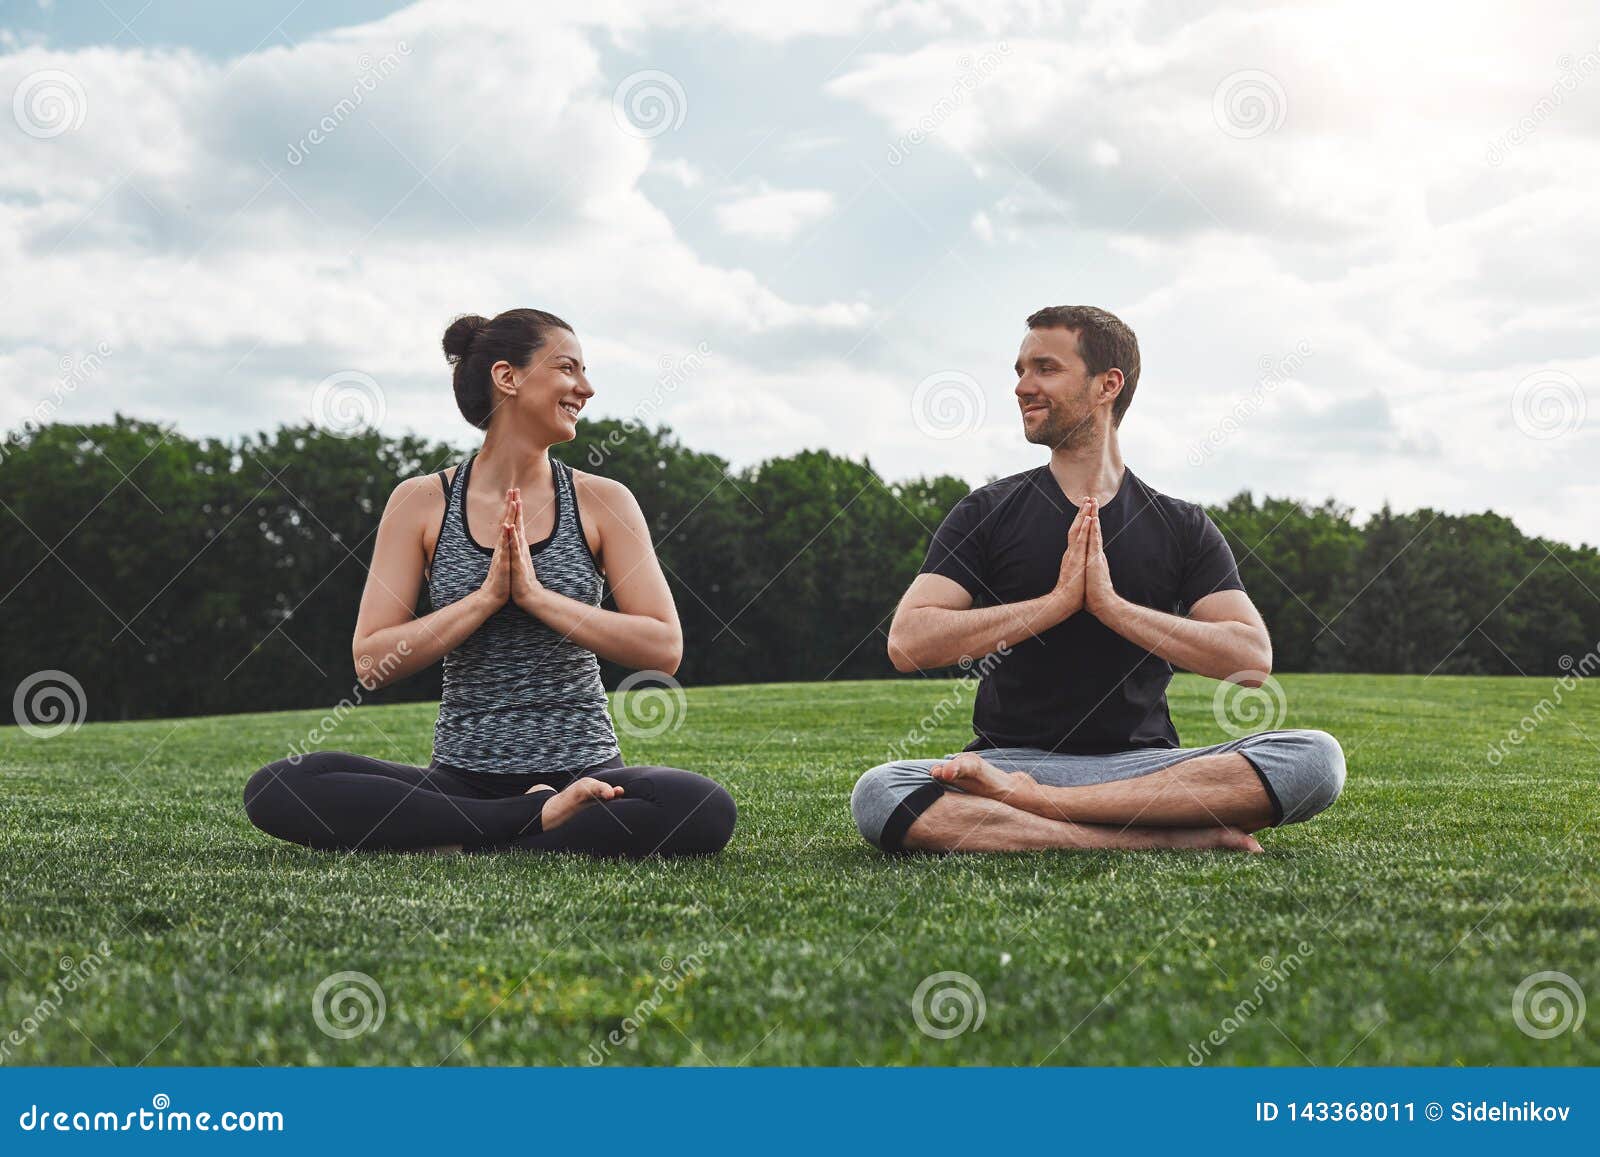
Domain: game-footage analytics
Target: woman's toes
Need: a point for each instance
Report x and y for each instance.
(577, 794)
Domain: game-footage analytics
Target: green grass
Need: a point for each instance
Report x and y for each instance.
(1423, 898)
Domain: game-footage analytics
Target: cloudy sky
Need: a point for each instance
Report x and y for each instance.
(1356, 239)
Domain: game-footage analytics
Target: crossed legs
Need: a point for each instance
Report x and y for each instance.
(1016, 799)
(337, 800)
(972, 823)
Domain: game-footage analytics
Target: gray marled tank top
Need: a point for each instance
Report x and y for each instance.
(518, 697)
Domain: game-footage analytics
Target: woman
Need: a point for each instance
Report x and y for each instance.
(513, 545)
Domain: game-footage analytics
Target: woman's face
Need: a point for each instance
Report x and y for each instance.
(547, 394)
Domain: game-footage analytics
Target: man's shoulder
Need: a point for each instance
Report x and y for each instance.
(993, 494)
(1178, 513)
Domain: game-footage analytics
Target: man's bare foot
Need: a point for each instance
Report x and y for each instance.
(1214, 839)
(977, 776)
(572, 798)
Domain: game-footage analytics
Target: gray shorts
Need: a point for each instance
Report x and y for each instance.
(1303, 772)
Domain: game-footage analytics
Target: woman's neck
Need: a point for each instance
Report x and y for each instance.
(509, 459)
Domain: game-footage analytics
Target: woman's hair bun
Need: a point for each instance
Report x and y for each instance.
(475, 345)
(458, 337)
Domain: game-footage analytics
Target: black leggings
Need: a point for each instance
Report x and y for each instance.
(335, 800)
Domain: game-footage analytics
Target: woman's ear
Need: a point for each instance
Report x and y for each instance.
(503, 380)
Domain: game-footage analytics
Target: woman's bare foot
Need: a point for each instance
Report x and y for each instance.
(572, 798)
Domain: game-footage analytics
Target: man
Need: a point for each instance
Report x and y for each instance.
(1085, 586)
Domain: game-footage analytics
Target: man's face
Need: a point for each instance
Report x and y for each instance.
(1054, 389)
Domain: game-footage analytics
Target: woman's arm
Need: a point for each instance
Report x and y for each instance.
(391, 642)
(643, 632)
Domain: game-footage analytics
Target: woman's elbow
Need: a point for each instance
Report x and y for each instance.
(670, 656)
(376, 666)
(369, 672)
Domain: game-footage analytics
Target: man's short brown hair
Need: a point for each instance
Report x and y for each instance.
(1104, 343)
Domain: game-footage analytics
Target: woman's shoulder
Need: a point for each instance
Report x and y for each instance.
(422, 489)
(418, 504)
(610, 496)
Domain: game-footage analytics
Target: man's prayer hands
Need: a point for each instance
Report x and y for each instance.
(1069, 586)
(1085, 580)
(1099, 596)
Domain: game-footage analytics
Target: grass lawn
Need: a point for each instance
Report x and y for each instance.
(1394, 929)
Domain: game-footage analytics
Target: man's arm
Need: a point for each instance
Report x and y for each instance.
(1223, 636)
(936, 624)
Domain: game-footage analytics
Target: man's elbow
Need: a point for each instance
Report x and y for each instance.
(1258, 664)
(900, 655)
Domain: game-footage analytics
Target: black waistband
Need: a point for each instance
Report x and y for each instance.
(515, 783)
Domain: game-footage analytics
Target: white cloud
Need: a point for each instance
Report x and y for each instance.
(1399, 216)
(679, 170)
(773, 214)
(231, 260)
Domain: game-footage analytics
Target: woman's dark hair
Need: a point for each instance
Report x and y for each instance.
(472, 344)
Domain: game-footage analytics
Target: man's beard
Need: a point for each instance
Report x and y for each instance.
(1061, 431)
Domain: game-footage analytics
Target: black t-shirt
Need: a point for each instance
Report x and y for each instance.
(1078, 687)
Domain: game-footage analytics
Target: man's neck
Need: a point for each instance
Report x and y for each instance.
(1089, 471)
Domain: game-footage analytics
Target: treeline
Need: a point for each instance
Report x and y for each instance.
(172, 576)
